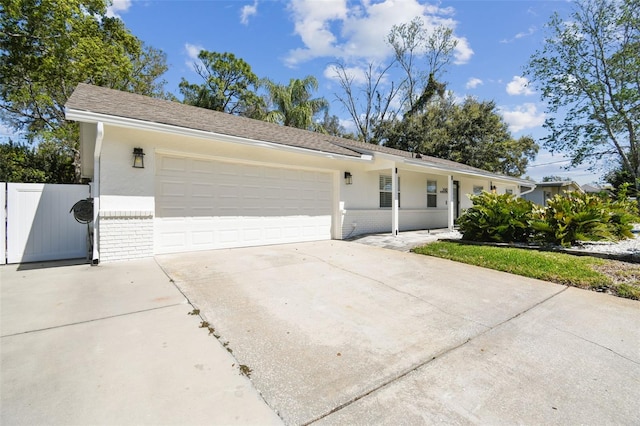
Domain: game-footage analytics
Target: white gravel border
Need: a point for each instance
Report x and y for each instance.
(628, 246)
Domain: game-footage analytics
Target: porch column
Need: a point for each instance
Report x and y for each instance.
(394, 201)
(451, 211)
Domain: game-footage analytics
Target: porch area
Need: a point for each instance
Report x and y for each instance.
(407, 240)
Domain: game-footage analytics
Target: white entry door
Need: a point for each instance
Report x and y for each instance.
(204, 204)
(39, 225)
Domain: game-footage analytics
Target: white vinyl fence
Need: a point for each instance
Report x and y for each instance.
(39, 226)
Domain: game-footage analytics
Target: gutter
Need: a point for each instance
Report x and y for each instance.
(533, 187)
(91, 117)
(464, 172)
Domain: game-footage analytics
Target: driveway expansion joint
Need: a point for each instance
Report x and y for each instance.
(92, 320)
(397, 290)
(598, 345)
(216, 336)
(428, 361)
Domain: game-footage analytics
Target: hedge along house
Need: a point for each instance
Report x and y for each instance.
(168, 177)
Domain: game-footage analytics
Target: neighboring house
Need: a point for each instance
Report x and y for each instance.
(214, 180)
(597, 189)
(545, 190)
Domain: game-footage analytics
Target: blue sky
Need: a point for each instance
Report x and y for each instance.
(292, 39)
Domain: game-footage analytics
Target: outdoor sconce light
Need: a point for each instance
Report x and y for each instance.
(138, 158)
(348, 179)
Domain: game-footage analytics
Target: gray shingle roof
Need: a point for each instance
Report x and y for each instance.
(129, 105)
(115, 103)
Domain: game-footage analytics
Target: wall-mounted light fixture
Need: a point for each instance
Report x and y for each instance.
(348, 179)
(138, 158)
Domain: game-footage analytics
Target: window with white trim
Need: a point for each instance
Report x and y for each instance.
(432, 193)
(386, 194)
(477, 189)
(508, 191)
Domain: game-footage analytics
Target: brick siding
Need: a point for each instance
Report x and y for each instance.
(125, 235)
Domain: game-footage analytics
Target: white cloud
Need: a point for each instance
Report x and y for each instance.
(519, 86)
(248, 11)
(354, 31)
(531, 31)
(117, 7)
(473, 82)
(525, 116)
(192, 51)
(358, 74)
(463, 52)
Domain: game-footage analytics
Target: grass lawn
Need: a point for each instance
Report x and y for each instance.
(584, 272)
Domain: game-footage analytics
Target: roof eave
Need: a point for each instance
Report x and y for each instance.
(92, 117)
(482, 173)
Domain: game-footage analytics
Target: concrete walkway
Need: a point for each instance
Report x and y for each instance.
(404, 241)
(114, 345)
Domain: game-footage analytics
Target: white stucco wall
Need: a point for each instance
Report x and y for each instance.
(127, 194)
(362, 202)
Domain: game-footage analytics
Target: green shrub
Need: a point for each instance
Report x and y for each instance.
(571, 217)
(497, 218)
(575, 217)
(624, 213)
(567, 218)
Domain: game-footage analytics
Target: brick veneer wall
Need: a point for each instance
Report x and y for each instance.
(125, 235)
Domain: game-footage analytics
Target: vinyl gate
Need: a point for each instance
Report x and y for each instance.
(39, 226)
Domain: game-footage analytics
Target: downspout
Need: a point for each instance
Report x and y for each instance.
(527, 192)
(96, 192)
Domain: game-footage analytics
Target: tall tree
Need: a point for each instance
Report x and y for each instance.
(369, 104)
(412, 42)
(292, 105)
(373, 100)
(471, 133)
(589, 74)
(229, 85)
(331, 126)
(47, 47)
(46, 163)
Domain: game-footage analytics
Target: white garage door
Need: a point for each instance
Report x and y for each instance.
(203, 204)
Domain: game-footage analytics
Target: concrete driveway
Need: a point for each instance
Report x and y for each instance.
(113, 345)
(343, 333)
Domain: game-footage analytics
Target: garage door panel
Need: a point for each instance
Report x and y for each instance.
(203, 204)
(168, 165)
(203, 238)
(202, 167)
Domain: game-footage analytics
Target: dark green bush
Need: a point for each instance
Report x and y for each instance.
(624, 213)
(498, 218)
(571, 217)
(567, 218)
